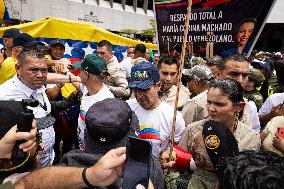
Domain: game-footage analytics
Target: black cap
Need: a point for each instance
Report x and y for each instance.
(219, 141)
(24, 40)
(109, 123)
(11, 33)
(57, 42)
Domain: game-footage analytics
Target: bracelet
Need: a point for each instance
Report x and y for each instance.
(16, 166)
(70, 80)
(85, 178)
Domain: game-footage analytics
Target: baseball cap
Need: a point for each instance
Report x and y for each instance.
(109, 123)
(11, 33)
(256, 75)
(263, 64)
(92, 63)
(57, 42)
(143, 75)
(201, 73)
(24, 40)
(219, 141)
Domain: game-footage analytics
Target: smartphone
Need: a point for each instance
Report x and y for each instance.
(137, 165)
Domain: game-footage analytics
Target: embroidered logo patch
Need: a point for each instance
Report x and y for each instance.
(141, 74)
(212, 142)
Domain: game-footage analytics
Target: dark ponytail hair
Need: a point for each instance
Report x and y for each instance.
(231, 88)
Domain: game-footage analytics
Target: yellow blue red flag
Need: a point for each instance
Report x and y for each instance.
(80, 38)
(4, 13)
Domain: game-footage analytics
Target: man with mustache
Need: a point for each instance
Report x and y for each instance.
(28, 83)
(155, 116)
(234, 67)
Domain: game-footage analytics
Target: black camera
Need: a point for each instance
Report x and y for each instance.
(16, 112)
(12, 113)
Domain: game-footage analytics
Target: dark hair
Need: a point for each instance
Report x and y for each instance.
(140, 48)
(234, 57)
(217, 60)
(31, 52)
(233, 89)
(251, 169)
(131, 47)
(245, 20)
(105, 43)
(169, 60)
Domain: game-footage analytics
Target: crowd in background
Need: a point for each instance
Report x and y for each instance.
(229, 119)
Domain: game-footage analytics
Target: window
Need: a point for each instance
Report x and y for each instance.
(150, 5)
(129, 2)
(140, 3)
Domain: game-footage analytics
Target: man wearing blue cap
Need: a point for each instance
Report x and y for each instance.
(155, 116)
(7, 38)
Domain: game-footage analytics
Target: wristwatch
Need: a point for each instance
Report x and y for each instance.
(60, 85)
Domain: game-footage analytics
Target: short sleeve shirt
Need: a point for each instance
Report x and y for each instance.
(7, 69)
(86, 103)
(155, 125)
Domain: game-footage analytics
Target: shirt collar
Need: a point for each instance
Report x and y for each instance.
(169, 91)
(27, 90)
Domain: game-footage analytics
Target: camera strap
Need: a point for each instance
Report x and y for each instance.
(42, 102)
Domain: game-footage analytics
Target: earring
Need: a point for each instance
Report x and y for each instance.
(236, 121)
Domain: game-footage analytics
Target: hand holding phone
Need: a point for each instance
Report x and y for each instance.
(138, 162)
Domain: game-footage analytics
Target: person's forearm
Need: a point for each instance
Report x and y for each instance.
(120, 91)
(53, 177)
(59, 78)
(50, 63)
(53, 62)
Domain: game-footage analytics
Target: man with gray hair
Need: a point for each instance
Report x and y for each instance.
(199, 78)
(93, 70)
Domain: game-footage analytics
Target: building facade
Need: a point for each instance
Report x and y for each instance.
(113, 15)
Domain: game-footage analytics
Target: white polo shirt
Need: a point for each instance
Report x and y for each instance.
(14, 89)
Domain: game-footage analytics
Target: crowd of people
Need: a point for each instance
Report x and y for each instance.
(230, 117)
